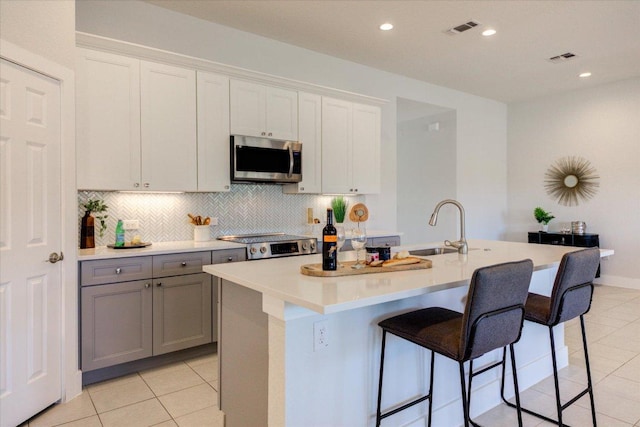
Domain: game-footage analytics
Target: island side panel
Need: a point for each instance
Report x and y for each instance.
(337, 385)
(243, 356)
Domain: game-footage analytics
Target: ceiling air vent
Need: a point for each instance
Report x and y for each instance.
(462, 28)
(562, 58)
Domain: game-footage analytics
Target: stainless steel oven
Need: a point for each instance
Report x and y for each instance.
(272, 245)
(265, 160)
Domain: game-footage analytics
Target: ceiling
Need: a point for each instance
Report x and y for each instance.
(511, 66)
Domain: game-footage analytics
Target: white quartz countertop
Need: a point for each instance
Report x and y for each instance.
(103, 252)
(280, 278)
(159, 248)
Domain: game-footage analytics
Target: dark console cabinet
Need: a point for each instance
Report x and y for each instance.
(586, 240)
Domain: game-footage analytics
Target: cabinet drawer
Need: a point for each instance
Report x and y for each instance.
(103, 271)
(178, 264)
(229, 255)
(385, 241)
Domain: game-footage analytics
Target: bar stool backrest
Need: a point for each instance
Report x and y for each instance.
(573, 286)
(494, 310)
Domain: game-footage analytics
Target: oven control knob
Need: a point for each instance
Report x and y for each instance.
(263, 249)
(313, 246)
(305, 246)
(253, 249)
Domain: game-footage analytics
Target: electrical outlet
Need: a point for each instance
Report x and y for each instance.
(131, 224)
(320, 335)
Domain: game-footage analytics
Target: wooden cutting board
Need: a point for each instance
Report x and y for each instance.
(346, 270)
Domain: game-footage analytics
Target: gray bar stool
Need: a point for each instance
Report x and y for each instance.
(492, 319)
(570, 298)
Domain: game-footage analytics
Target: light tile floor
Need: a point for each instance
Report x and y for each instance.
(185, 394)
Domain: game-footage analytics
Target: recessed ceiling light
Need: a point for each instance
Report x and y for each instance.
(489, 32)
(386, 26)
(583, 75)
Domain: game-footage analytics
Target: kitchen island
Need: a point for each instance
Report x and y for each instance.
(297, 350)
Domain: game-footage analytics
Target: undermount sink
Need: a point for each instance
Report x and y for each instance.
(433, 251)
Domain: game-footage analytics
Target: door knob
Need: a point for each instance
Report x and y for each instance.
(54, 257)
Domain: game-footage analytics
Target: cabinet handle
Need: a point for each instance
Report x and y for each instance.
(183, 263)
(230, 259)
(301, 188)
(146, 185)
(263, 133)
(147, 285)
(158, 284)
(118, 270)
(226, 187)
(270, 134)
(136, 185)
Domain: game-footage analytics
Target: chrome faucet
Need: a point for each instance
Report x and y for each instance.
(461, 244)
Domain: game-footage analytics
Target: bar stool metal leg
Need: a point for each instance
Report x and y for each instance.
(559, 406)
(379, 415)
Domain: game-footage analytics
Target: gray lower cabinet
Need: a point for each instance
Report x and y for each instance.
(181, 312)
(116, 323)
(375, 242)
(136, 307)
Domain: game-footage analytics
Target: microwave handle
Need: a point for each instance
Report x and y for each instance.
(290, 162)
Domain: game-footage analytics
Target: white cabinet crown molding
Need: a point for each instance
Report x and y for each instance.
(106, 44)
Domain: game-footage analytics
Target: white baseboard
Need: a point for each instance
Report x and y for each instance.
(619, 281)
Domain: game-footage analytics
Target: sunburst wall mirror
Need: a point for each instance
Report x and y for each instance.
(570, 180)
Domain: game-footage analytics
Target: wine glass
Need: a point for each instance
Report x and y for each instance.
(341, 235)
(358, 240)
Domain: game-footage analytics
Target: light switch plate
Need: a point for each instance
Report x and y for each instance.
(131, 224)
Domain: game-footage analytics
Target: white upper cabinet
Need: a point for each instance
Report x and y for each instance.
(350, 147)
(108, 121)
(168, 125)
(263, 111)
(213, 132)
(336, 146)
(136, 124)
(310, 135)
(366, 149)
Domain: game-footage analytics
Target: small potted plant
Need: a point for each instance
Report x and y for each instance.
(543, 217)
(339, 205)
(87, 239)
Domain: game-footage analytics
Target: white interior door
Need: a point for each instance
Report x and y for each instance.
(30, 230)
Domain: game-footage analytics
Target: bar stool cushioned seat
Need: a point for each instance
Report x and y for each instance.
(492, 319)
(570, 298)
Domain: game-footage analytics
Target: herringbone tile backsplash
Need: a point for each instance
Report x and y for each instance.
(247, 208)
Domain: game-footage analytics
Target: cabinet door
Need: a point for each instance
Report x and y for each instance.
(365, 161)
(181, 312)
(168, 126)
(213, 132)
(310, 134)
(248, 105)
(116, 323)
(282, 113)
(107, 121)
(336, 145)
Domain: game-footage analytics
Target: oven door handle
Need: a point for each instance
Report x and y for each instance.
(290, 174)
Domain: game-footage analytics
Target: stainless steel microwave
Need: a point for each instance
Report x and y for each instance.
(265, 160)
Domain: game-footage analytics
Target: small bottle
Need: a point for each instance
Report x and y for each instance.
(329, 244)
(119, 234)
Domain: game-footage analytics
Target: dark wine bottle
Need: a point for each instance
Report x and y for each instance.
(329, 244)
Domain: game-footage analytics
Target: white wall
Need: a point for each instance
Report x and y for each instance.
(481, 125)
(44, 27)
(427, 172)
(602, 125)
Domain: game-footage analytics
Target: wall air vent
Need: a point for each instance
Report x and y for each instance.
(562, 58)
(462, 28)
